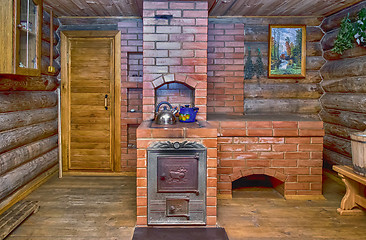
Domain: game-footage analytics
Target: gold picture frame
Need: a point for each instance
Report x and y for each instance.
(287, 51)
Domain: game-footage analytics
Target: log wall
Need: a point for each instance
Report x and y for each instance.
(344, 82)
(283, 95)
(28, 122)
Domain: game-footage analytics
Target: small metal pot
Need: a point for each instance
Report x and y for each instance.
(166, 116)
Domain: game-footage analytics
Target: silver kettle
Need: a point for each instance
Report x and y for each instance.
(166, 116)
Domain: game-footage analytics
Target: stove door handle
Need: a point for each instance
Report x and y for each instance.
(197, 193)
(163, 177)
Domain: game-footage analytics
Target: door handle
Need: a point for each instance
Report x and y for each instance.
(106, 102)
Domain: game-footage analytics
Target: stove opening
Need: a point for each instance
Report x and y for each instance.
(258, 185)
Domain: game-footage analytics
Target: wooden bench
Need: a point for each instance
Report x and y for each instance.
(15, 215)
(355, 191)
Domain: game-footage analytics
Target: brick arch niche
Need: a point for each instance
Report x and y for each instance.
(191, 87)
(178, 94)
(278, 179)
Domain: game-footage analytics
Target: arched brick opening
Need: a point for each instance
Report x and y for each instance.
(178, 94)
(225, 183)
(197, 82)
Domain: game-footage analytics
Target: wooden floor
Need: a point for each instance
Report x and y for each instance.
(104, 208)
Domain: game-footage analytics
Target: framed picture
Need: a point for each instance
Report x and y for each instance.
(287, 51)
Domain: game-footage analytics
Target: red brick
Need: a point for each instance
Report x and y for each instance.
(233, 124)
(283, 163)
(210, 143)
(259, 124)
(224, 139)
(181, 37)
(225, 155)
(141, 163)
(259, 132)
(310, 163)
(317, 140)
(141, 221)
(212, 182)
(311, 125)
(271, 155)
(211, 192)
(245, 155)
(297, 140)
(211, 172)
(182, 5)
(141, 201)
(168, 61)
(211, 201)
(194, 14)
(232, 147)
(271, 140)
(297, 170)
(233, 132)
(141, 172)
(141, 211)
(258, 163)
(232, 163)
(297, 186)
(258, 147)
(297, 155)
(245, 140)
(168, 29)
(141, 191)
(211, 220)
(311, 147)
(285, 132)
(194, 61)
(194, 45)
(309, 178)
(284, 147)
(309, 132)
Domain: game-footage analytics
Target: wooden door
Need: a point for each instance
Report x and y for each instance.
(90, 101)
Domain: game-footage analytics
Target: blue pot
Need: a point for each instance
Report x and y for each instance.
(187, 114)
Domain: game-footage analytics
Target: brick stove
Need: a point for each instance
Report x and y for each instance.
(175, 35)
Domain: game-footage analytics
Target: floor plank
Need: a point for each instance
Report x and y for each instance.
(104, 208)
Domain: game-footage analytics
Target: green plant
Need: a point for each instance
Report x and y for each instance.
(259, 66)
(249, 67)
(345, 38)
(360, 28)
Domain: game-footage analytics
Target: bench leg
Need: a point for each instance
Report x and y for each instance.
(348, 202)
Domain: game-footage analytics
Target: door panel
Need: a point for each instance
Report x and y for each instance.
(89, 103)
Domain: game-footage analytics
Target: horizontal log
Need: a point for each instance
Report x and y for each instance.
(334, 21)
(18, 101)
(47, 18)
(17, 137)
(314, 62)
(336, 158)
(338, 145)
(345, 101)
(308, 21)
(20, 176)
(259, 33)
(348, 119)
(26, 83)
(282, 90)
(18, 119)
(356, 51)
(346, 85)
(45, 62)
(328, 40)
(314, 34)
(310, 77)
(279, 106)
(312, 49)
(349, 67)
(18, 156)
(46, 50)
(338, 130)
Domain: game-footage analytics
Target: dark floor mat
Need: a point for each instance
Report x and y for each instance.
(145, 233)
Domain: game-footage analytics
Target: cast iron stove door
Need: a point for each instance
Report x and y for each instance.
(177, 185)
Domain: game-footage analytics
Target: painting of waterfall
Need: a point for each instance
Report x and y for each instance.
(287, 51)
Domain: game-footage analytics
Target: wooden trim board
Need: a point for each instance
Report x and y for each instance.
(27, 189)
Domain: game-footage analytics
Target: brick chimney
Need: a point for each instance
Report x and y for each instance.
(175, 51)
